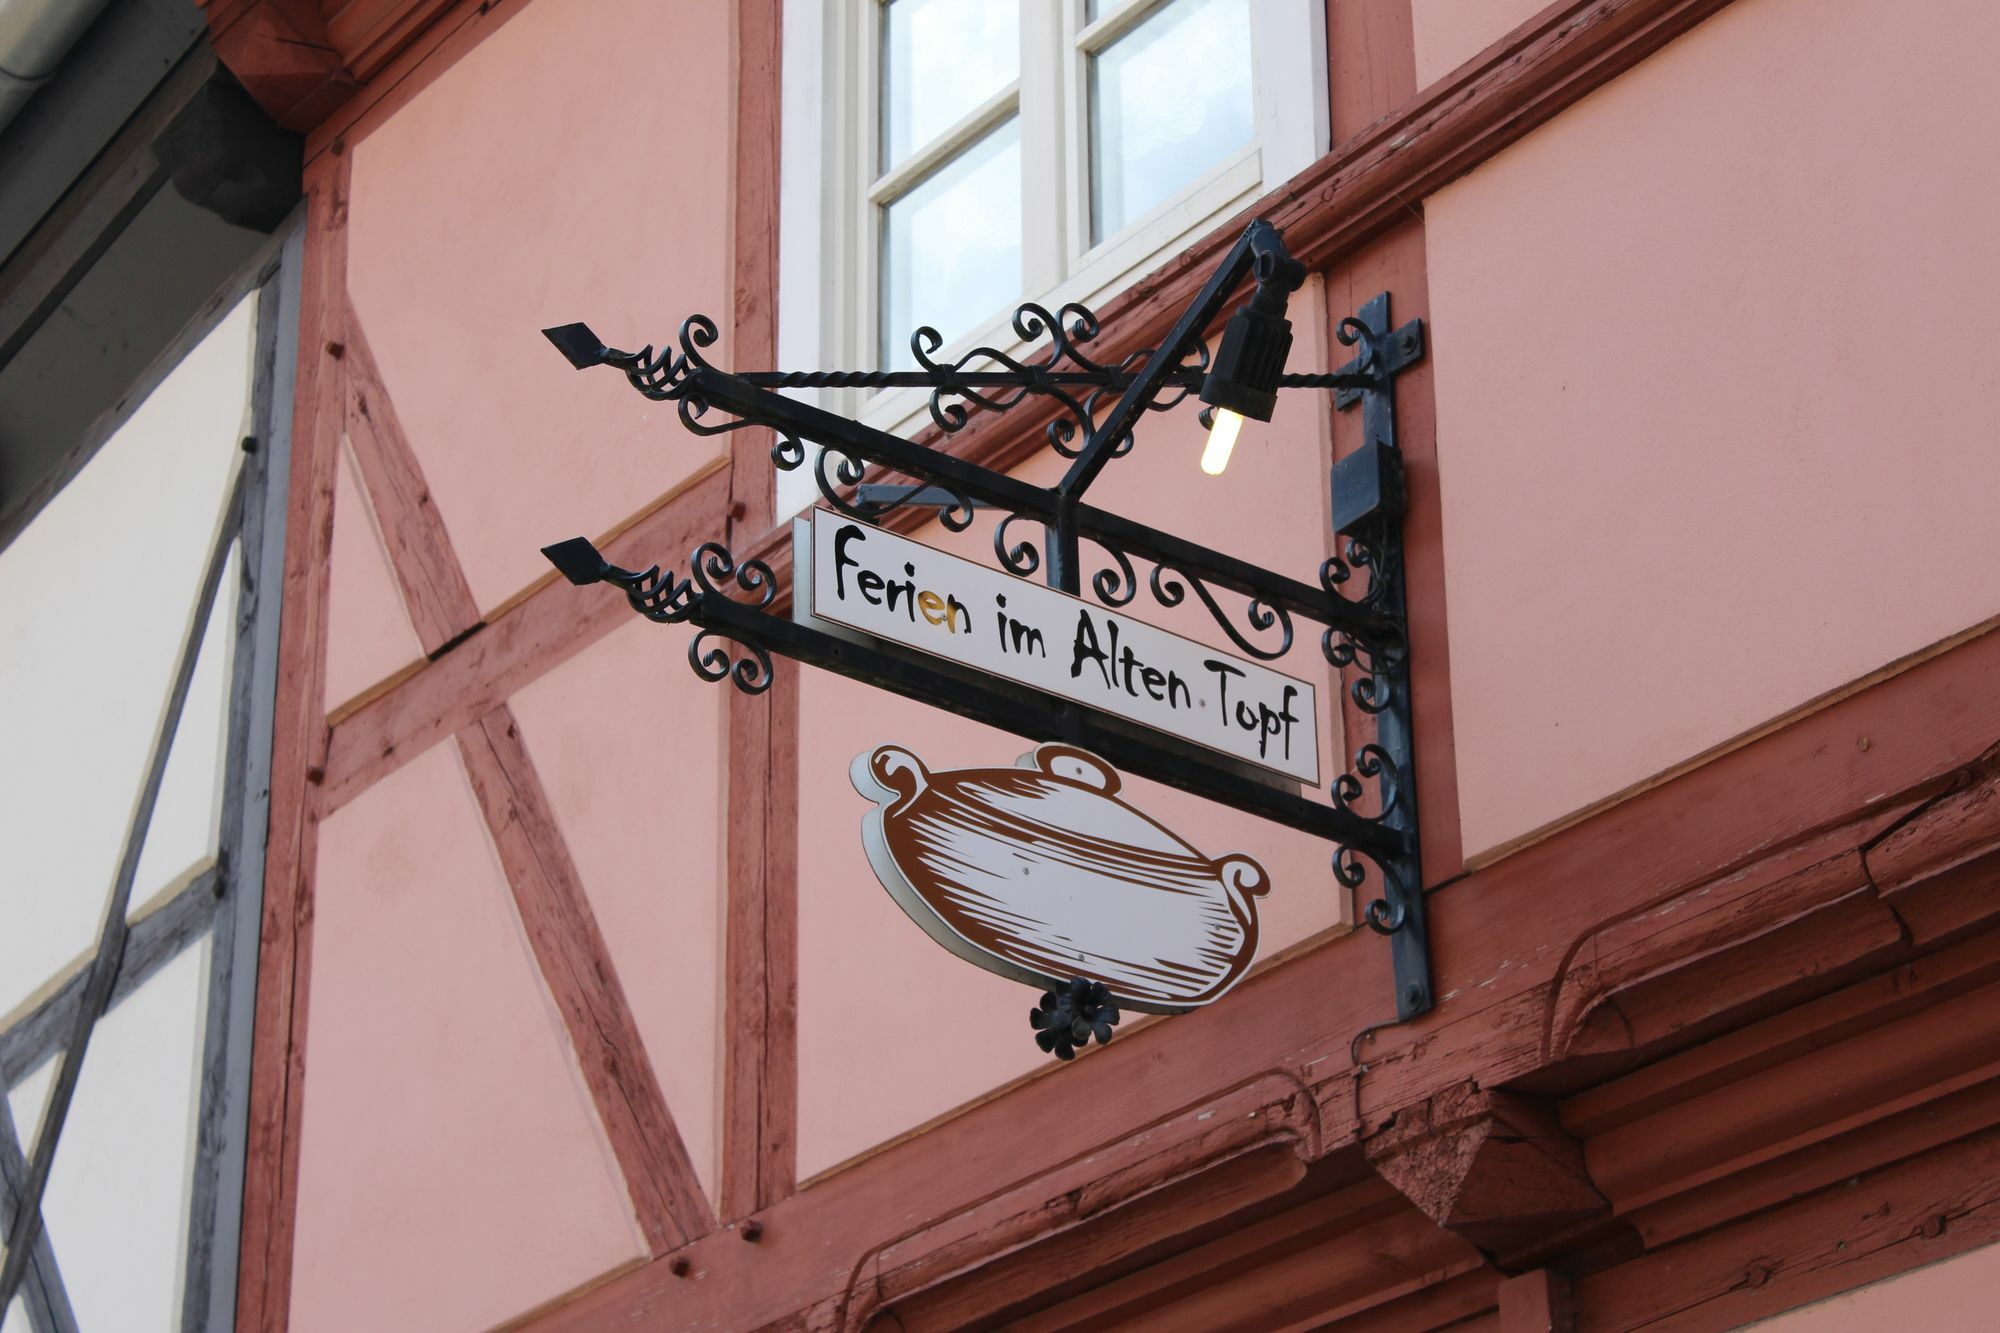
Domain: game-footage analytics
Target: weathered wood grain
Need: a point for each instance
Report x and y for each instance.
(1925, 1124)
(547, 626)
(1757, 1116)
(1338, 1213)
(427, 570)
(156, 940)
(1371, 54)
(369, 33)
(298, 749)
(279, 51)
(1940, 871)
(1536, 1302)
(1460, 1298)
(759, 1094)
(1864, 1228)
(760, 1109)
(1639, 979)
(208, 1295)
(1502, 933)
(1493, 1167)
(1864, 1006)
(1099, 1244)
(753, 333)
(576, 964)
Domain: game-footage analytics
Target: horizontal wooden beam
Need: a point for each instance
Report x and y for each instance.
(551, 623)
(157, 938)
(280, 52)
(368, 34)
(1293, 1026)
(1871, 1225)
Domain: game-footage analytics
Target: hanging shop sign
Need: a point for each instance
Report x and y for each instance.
(1041, 873)
(975, 616)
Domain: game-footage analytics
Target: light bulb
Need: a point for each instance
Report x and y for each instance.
(1221, 439)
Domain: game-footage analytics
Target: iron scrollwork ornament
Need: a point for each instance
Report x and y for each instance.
(1093, 403)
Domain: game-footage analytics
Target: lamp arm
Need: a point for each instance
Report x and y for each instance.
(1259, 251)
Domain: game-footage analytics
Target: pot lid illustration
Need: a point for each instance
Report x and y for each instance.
(1041, 873)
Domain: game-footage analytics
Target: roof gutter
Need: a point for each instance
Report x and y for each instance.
(35, 35)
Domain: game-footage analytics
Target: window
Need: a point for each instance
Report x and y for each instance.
(945, 160)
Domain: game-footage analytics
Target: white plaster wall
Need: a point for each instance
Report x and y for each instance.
(94, 600)
(117, 1201)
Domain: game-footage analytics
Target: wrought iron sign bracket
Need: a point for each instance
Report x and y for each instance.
(1358, 598)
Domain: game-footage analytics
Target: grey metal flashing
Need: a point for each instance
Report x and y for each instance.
(102, 83)
(17, 512)
(215, 1228)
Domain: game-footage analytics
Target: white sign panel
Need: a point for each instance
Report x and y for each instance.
(911, 594)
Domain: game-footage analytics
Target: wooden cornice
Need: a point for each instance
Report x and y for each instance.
(1496, 1168)
(301, 59)
(1799, 1075)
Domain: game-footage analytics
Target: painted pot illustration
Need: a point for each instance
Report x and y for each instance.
(1041, 873)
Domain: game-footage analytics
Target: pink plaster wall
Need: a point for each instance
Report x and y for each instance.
(1450, 32)
(1955, 1296)
(575, 165)
(369, 636)
(1716, 395)
(639, 802)
(452, 1172)
(861, 959)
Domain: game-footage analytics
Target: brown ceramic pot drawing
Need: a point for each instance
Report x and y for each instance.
(1040, 873)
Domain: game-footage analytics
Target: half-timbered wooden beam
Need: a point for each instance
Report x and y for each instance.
(760, 950)
(157, 937)
(576, 964)
(298, 758)
(434, 587)
(543, 628)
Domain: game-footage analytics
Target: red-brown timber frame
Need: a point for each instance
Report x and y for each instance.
(1801, 931)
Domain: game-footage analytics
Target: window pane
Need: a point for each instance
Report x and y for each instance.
(940, 60)
(951, 248)
(1168, 101)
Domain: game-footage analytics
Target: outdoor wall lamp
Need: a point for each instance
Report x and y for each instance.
(1243, 380)
(1368, 811)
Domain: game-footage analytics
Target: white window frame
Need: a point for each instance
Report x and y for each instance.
(828, 236)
